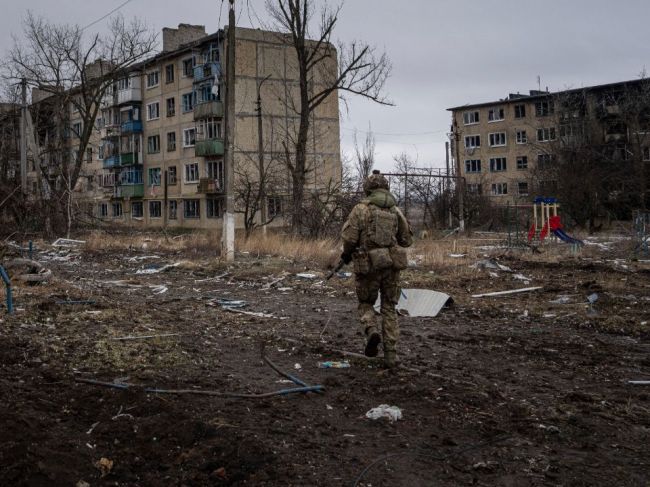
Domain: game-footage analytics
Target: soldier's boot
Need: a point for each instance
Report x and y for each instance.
(373, 339)
(390, 359)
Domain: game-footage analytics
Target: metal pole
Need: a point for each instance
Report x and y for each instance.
(166, 202)
(228, 235)
(23, 137)
(260, 154)
(10, 300)
(460, 188)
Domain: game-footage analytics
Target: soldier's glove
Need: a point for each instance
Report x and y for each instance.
(346, 257)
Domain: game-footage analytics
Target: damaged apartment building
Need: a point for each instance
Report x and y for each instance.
(523, 146)
(156, 156)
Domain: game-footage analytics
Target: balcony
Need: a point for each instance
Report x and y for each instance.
(129, 191)
(129, 95)
(208, 109)
(210, 147)
(109, 132)
(111, 161)
(129, 158)
(209, 186)
(206, 71)
(132, 126)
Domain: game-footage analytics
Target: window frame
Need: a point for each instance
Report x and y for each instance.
(499, 189)
(171, 141)
(172, 112)
(149, 106)
(187, 142)
(502, 135)
(149, 76)
(475, 139)
(134, 204)
(186, 173)
(498, 164)
(154, 204)
(522, 163)
(521, 137)
(197, 207)
(472, 166)
(471, 117)
(520, 110)
(501, 111)
(152, 138)
(169, 79)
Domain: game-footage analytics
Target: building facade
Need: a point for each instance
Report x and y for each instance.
(156, 156)
(522, 146)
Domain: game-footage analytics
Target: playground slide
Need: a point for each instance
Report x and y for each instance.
(562, 235)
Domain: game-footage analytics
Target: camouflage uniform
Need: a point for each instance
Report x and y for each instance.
(358, 242)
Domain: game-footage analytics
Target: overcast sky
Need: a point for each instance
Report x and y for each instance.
(444, 54)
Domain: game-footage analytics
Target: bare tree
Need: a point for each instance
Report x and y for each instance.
(73, 71)
(361, 71)
(364, 156)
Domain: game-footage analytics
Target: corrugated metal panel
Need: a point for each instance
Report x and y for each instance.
(420, 302)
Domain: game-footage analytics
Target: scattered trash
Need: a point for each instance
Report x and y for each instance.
(561, 299)
(66, 242)
(159, 289)
(250, 313)
(549, 315)
(334, 365)
(328, 407)
(145, 337)
(283, 289)
(592, 298)
(306, 275)
(88, 301)
(232, 303)
(104, 465)
(420, 302)
(503, 293)
(27, 270)
(639, 382)
(491, 264)
(393, 413)
(155, 269)
(344, 275)
(297, 366)
(521, 277)
(457, 256)
(550, 429)
(82, 483)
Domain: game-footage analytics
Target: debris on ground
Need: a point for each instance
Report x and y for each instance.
(491, 264)
(393, 413)
(334, 364)
(306, 275)
(66, 242)
(420, 302)
(504, 293)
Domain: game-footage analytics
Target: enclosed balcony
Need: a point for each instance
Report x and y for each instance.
(111, 161)
(130, 94)
(129, 158)
(209, 186)
(209, 147)
(208, 109)
(206, 71)
(132, 126)
(129, 191)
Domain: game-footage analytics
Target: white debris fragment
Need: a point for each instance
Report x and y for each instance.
(393, 413)
(306, 275)
(297, 366)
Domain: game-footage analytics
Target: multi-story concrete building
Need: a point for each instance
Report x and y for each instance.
(504, 148)
(156, 157)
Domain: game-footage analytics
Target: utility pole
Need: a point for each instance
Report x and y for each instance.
(447, 184)
(260, 152)
(228, 234)
(23, 137)
(460, 182)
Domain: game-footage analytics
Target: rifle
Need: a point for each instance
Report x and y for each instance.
(338, 267)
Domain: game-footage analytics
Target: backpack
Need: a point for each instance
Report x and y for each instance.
(381, 228)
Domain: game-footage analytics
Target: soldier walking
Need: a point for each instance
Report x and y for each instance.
(375, 237)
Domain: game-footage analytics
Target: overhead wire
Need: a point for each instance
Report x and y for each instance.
(107, 15)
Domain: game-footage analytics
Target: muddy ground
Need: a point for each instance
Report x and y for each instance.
(507, 391)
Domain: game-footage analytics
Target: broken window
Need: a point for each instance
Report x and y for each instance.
(473, 165)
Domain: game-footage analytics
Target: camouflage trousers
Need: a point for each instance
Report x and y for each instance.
(368, 286)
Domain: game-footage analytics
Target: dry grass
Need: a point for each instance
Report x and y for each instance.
(196, 242)
(321, 252)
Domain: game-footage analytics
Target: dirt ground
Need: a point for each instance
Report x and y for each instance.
(495, 391)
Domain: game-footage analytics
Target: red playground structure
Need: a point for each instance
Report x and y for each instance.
(548, 221)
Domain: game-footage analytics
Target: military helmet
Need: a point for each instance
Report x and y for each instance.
(375, 181)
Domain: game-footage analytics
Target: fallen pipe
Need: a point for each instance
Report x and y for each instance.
(10, 298)
(152, 390)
